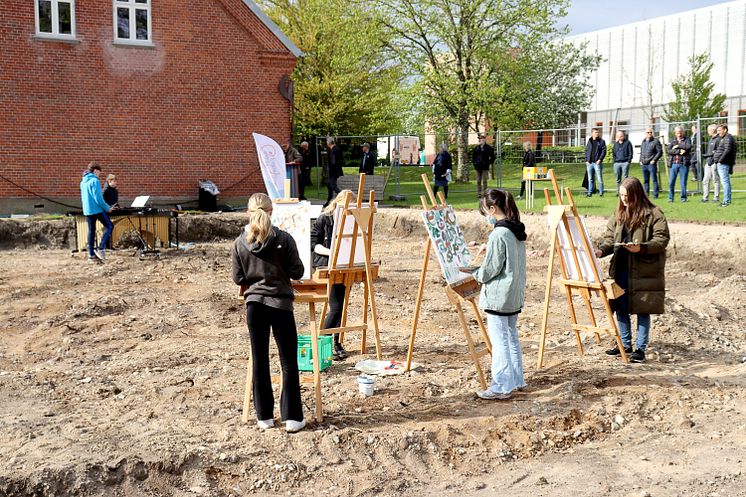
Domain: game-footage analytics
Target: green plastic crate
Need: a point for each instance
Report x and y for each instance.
(305, 352)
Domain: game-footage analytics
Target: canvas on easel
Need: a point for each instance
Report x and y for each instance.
(580, 269)
(295, 219)
(343, 231)
(446, 237)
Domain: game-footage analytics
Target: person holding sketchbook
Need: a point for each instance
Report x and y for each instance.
(321, 242)
(265, 259)
(503, 278)
(636, 237)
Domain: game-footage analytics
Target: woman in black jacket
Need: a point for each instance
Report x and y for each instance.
(321, 242)
(442, 169)
(265, 259)
(529, 160)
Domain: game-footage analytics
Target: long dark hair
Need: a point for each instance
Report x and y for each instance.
(638, 207)
(503, 200)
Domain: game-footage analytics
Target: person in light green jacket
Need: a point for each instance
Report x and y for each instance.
(503, 278)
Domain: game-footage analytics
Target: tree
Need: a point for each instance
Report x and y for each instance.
(694, 93)
(345, 82)
(469, 52)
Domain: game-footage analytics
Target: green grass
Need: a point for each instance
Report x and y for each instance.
(463, 195)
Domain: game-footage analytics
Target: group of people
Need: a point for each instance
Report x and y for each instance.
(682, 157)
(97, 204)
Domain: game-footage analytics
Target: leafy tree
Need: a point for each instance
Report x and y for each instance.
(345, 82)
(694, 93)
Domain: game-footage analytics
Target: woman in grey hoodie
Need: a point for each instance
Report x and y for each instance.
(265, 259)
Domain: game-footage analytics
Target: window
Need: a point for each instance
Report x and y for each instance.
(55, 18)
(132, 22)
(742, 122)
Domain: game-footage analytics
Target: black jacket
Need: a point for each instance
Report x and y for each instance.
(725, 151)
(529, 159)
(483, 159)
(321, 234)
(309, 159)
(600, 150)
(651, 153)
(684, 145)
(442, 164)
(367, 163)
(265, 270)
(111, 195)
(335, 162)
(622, 152)
(711, 145)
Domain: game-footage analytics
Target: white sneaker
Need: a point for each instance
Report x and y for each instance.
(264, 424)
(101, 254)
(292, 426)
(490, 395)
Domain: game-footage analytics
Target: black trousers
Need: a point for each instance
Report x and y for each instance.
(336, 303)
(445, 190)
(260, 318)
(332, 188)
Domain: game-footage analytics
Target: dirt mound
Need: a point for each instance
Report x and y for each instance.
(58, 233)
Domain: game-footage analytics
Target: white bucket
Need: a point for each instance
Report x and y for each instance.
(366, 384)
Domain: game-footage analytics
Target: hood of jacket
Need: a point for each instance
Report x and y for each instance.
(258, 248)
(517, 228)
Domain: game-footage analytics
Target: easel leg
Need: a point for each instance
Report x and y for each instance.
(316, 363)
(587, 298)
(418, 304)
(482, 328)
(248, 391)
(470, 343)
(363, 342)
(613, 327)
(345, 308)
(574, 319)
(545, 317)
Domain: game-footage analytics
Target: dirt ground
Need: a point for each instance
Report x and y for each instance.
(127, 380)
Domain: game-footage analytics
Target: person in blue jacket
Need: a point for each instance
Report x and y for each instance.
(95, 209)
(503, 278)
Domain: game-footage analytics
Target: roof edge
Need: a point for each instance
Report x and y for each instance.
(273, 27)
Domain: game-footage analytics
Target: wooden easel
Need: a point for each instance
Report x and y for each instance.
(558, 215)
(458, 294)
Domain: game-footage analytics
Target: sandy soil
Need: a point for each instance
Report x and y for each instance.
(127, 380)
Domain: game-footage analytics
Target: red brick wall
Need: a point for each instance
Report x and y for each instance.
(160, 118)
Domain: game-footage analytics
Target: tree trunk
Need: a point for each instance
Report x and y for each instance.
(462, 142)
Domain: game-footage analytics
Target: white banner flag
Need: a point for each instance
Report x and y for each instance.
(272, 164)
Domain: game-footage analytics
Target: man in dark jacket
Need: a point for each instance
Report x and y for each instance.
(482, 158)
(650, 152)
(622, 155)
(308, 161)
(335, 169)
(595, 151)
(368, 161)
(709, 169)
(678, 152)
(694, 156)
(725, 158)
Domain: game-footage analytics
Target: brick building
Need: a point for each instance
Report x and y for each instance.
(160, 92)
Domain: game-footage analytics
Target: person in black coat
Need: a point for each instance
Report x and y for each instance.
(111, 194)
(336, 162)
(724, 156)
(368, 162)
(442, 169)
(529, 160)
(650, 153)
(482, 157)
(308, 160)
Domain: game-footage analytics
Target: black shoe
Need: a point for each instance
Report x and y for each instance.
(683, 199)
(704, 200)
(588, 194)
(637, 356)
(725, 204)
(600, 194)
(339, 352)
(616, 351)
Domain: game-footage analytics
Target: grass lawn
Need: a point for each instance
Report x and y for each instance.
(463, 195)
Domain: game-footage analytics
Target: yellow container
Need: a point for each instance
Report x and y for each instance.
(534, 172)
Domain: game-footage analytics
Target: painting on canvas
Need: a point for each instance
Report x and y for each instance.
(448, 242)
(295, 218)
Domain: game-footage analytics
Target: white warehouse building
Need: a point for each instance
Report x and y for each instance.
(640, 61)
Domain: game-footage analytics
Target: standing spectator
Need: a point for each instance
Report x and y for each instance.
(696, 149)
(482, 157)
(308, 161)
(678, 152)
(710, 167)
(335, 169)
(442, 169)
(368, 161)
(95, 209)
(595, 151)
(264, 260)
(637, 236)
(650, 152)
(292, 156)
(111, 194)
(725, 158)
(622, 156)
(529, 160)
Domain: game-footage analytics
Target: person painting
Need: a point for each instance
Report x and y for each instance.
(637, 236)
(95, 209)
(503, 278)
(265, 259)
(321, 242)
(442, 169)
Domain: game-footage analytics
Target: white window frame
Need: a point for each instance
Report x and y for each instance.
(132, 6)
(55, 34)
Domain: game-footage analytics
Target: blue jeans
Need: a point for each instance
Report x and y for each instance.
(108, 226)
(682, 172)
(621, 171)
(507, 358)
(594, 170)
(624, 323)
(725, 181)
(649, 170)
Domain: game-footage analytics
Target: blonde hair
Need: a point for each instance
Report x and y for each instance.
(260, 219)
(339, 199)
(111, 177)
(526, 146)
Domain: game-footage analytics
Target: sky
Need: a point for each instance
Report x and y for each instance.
(591, 15)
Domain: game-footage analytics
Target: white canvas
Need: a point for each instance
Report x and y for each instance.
(345, 247)
(449, 243)
(295, 218)
(586, 263)
(140, 201)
